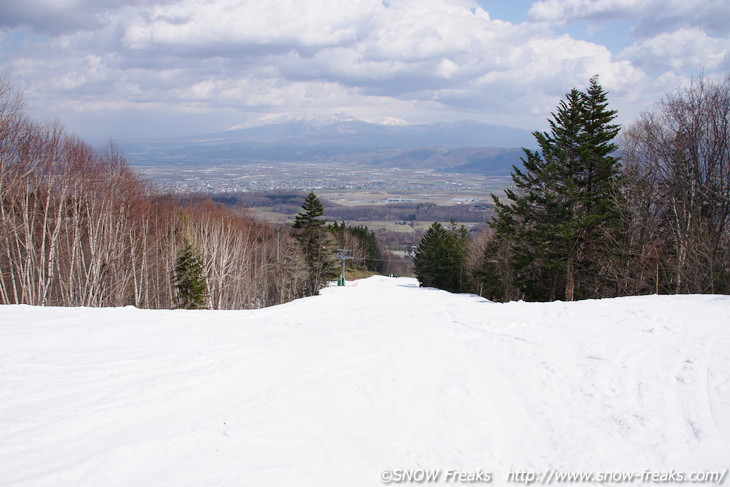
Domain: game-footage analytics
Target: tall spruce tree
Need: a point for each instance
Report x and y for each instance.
(440, 259)
(190, 282)
(564, 209)
(316, 244)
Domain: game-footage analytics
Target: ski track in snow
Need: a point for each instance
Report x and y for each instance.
(332, 389)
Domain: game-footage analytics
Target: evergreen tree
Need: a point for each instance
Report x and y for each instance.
(440, 259)
(600, 197)
(190, 282)
(564, 210)
(315, 242)
(373, 258)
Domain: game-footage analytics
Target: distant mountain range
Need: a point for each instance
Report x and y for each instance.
(465, 146)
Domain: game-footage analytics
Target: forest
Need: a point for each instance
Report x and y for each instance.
(79, 228)
(601, 212)
(598, 211)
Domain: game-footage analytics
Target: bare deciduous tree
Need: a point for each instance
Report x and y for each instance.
(677, 160)
(79, 228)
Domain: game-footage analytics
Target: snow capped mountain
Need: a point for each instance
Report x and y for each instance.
(362, 382)
(393, 122)
(468, 146)
(319, 121)
(343, 129)
(314, 120)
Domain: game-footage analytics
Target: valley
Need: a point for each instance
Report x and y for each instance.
(391, 199)
(396, 180)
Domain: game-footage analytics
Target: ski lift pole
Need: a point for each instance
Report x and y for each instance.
(343, 256)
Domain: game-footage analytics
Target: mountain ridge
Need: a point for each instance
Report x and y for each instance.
(462, 133)
(463, 146)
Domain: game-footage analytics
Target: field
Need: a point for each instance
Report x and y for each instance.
(345, 183)
(385, 199)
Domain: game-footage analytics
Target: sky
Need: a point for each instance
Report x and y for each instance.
(130, 68)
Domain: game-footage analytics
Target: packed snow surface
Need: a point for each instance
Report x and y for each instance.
(332, 390)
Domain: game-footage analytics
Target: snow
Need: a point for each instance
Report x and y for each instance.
(392, 121)
(330, 390)
(314, 120)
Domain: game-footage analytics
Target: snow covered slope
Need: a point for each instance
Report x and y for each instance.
(333, 389)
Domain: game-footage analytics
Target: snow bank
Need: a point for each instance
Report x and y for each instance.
(333, 389)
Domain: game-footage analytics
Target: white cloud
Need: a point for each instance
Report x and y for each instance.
(64, 16)
(566, 11)
(252, 24)
(655, 16)
(683, 50)
(419, 60)
(672, 39)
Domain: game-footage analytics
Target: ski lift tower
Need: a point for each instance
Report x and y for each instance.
(343, 255)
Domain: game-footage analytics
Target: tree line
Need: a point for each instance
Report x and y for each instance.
(411, 212)
(288, 203)
(599, 212)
